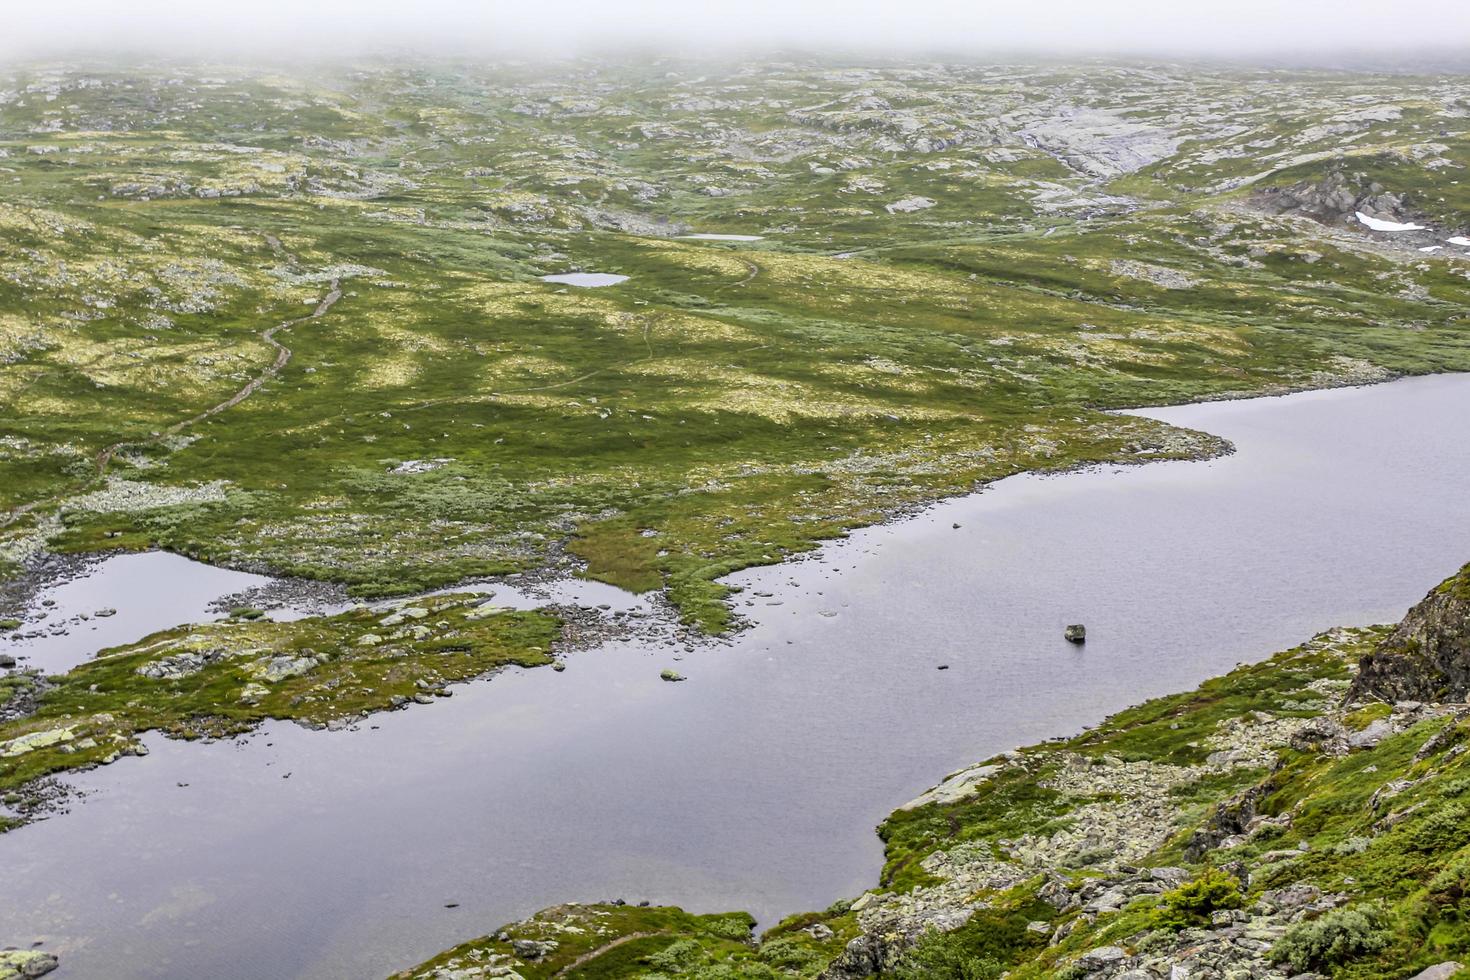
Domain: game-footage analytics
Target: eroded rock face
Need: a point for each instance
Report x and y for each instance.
(1427, 658)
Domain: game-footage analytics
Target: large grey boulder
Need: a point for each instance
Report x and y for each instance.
(1440, 971)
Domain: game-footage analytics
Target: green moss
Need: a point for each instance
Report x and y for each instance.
(1457, 585)
(619, 554)
(1365, 716)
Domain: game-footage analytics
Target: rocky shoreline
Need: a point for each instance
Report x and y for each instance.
(1293, 820)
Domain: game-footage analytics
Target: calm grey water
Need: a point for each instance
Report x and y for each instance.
(758, 782)
(586, 280)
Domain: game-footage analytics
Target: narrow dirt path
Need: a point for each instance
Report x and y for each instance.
(751, 271)
(283, 356)
(593, 954)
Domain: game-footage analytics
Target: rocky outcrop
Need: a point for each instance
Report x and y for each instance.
(1334, 200)
(1427, 658)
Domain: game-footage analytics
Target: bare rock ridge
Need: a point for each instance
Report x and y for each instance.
(1427, 657)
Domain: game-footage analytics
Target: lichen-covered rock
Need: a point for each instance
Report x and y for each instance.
(176, 666)
(275, 669)
(25, 964)
(22, 744)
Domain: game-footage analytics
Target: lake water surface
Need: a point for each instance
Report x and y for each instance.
(586, 280)
(758, 782)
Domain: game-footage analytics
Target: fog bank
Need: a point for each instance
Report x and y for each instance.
(1311, 30)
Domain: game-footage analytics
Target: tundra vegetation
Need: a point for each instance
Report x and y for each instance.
(295, 321)
(961, 268)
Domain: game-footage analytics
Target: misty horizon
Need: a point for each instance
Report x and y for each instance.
(1351, 33)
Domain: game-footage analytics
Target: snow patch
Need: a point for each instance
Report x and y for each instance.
(1378, 224)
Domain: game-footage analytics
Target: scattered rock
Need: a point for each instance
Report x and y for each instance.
(179, 665)
(1102, 957)
(279, 668)
(909, 205)
(532, 949)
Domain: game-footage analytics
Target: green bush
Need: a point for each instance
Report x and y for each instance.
(936, 956)
(1192, 903)
(736, 927)
(1338, 936)
(790, 953)
(677, 956)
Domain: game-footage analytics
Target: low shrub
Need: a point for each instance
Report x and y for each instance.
(1192, 903)
(1337, 937)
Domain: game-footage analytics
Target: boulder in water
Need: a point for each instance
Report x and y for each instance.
(1076, 633)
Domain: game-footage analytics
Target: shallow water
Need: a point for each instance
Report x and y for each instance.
(708, 237)
(586, 280)
(151, 591)
(757, 783)
(137, 594)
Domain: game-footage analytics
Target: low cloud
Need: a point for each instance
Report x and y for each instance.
(1248, 28)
